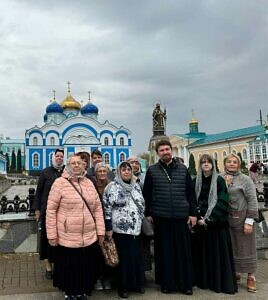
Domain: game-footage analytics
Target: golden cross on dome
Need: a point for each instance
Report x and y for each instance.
(69, 83)
(89, 95)
(54, 95)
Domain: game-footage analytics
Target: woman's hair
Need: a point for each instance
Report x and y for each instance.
(125, 164)
(204, 157)
(101, 165)
(230, 156)
(84, 156)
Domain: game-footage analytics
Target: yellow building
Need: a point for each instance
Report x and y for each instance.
(217, 145)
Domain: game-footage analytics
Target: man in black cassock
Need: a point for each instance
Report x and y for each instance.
(171, 205)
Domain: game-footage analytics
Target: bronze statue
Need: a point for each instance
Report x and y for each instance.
(159, 120)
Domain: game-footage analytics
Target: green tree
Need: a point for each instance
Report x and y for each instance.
(192, 169)
(13, 162)
(144, 155)
(19, 161)
(7, 162)
(243, 166)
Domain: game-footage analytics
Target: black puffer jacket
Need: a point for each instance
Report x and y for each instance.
(46, 179)
(169, 191)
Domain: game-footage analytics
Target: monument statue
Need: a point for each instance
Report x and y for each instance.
(159, 121)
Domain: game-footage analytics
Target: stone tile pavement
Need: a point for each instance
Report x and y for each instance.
(22, 278)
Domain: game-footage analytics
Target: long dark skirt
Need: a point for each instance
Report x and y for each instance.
(172, 250)
(102, 271)
(130, 271)
(45, 250)
(74, 269)
(213, 259)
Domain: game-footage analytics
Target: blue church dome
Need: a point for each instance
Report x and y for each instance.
(89, 108)
(45, 117)
(54, 107)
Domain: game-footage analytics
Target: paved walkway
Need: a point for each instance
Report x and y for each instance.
(22, 277)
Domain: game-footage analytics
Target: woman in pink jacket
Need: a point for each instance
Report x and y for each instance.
(74, 224)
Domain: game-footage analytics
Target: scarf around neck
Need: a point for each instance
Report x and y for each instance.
(212, 196)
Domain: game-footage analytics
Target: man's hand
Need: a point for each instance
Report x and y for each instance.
(192, 221)
(248, 228)
(109, 234)
(53, 243)
(37, 215)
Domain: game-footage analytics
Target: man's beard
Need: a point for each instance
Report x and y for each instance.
(166, 158)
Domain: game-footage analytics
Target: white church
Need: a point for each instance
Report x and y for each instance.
(74, 127)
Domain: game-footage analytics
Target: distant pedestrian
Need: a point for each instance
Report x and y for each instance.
(46, 179)
(243, 210)
(254, 172)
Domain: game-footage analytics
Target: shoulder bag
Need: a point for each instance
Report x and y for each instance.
(108, 246)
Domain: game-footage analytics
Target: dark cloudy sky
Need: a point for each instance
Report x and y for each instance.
(210, 56)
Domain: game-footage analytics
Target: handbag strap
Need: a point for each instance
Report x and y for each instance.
(83, 198)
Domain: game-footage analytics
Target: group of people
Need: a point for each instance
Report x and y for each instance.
(203, 228)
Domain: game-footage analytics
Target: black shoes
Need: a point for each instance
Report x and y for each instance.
(49, 274)
(188, 292)
(81, 297)
(165, 291)
(123, 293)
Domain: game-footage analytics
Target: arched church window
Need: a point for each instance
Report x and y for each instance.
(106, 141)
(50, 158)
(35, 141)
(234, 151)
(106, 158)
(36, 160)
(215, 156)
(52, 141)
(121, 141)
(224, 154)
(244, 154)
(122, 157)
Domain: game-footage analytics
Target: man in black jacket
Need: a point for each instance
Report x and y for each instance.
(171, 205)
(46, 179)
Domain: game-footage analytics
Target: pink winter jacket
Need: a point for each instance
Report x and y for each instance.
(67, 217)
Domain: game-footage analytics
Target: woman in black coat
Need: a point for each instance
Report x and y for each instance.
(46, 179)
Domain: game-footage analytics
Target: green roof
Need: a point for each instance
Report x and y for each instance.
(224, 136)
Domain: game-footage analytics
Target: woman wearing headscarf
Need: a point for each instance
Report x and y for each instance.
(103, 272)
(124, 210)
(74, 223)
(145, 240)
(243, 210)
(212, 248)
(46, 179)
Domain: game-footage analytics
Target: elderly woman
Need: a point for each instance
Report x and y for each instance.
(243, 210)
(74, 223)
(124, 210)
(212, 247)
(145, 240)
(104, 273)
